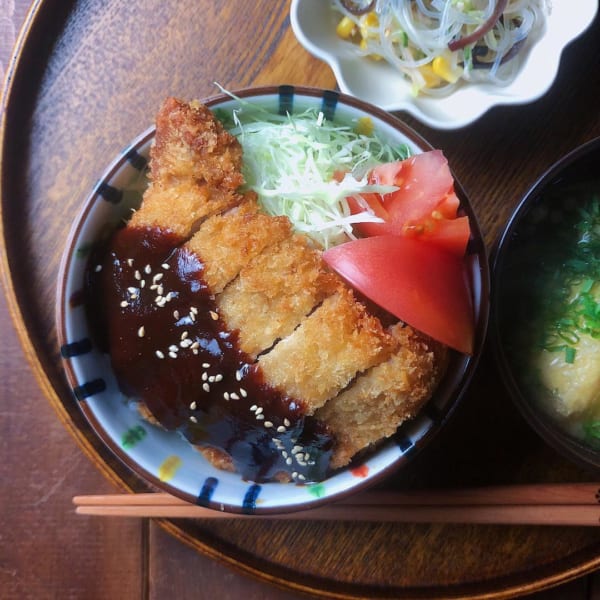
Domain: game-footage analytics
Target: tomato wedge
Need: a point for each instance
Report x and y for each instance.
(416, 281)
(424, 206)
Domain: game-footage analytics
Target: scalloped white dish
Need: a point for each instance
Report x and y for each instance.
(377, 82)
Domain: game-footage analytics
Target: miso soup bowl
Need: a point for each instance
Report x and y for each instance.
(163, 458)
(555, 198)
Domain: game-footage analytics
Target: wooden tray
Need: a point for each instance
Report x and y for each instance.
(88, 77)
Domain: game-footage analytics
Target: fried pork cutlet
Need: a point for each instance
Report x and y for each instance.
(243, 339)
(229, 241)
(194, 169)
(385, 396)
(337, 341)
(274, 292)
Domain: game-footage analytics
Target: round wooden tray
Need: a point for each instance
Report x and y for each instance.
(88, 77)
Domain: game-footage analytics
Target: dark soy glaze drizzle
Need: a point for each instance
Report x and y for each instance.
(155, 315)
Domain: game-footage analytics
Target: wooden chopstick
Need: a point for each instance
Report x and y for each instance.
(538, 504)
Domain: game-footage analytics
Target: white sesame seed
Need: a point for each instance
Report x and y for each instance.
(213, 315)
(211, 378)
(148, 269)
(268, 424)
(137, 275)
(238, 375)
(193, 405)
(204, 376)
(205, 365)
(160, 291)
(193, 419)
(206, 387)
(253, 407)
(133, 297)
(192, 316)
(286, 422)
(288, 461)
(157, 277)
(185, 343)
(165, 266)
(243, 393)
(154, 286)
(141, 331)
(184, 335)
(124, 304)
(143, 283)
(259, 410)
(219, 377)
(173, 354)
(130, 262)
(98, 268)
(173, 348)
(301, 477)
(194, 310)
(295, 475)
(234, 396)
(281, 429)
(259, 417)
(284, 454)
(170, 296)
(195, 346)
(159, 354)
(226, 395)
(132, 290)
(195, 350)
(176, 314)
(296, 449)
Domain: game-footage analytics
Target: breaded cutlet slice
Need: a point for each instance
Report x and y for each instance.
(229, 241)
(274, 292)
(334, 343)
(379, 400)
(195, 169)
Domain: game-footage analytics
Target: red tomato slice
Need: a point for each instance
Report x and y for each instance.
(423, 179)
(448, 234)
(417, 282)
(424, 207)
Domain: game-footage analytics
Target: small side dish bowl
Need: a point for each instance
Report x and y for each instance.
(545, 323)
(376, 81)
(164, 458)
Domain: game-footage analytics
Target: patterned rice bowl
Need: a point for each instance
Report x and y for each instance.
(164, 459)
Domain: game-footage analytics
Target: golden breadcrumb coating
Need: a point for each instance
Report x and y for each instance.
(227, 242)
(274, 292)
(195, 169)
(384, 397)
(337, 341)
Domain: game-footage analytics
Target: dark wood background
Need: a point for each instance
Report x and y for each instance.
(89, 77)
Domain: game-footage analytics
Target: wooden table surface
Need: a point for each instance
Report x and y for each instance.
(48, 552)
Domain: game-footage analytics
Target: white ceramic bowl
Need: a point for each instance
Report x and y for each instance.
(164, 458)
(377, 82)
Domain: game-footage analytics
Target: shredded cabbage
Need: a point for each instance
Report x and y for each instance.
(305, 167)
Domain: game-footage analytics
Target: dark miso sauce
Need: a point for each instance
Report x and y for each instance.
(153, 312)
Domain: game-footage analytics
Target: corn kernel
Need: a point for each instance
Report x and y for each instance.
(364, 126)
(442, 68)
(431, 78)
(345, 28)
(368, 22)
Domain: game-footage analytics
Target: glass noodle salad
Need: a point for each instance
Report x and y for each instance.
(436, 44)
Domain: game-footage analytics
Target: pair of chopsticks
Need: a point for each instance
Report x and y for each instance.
(537, 504)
